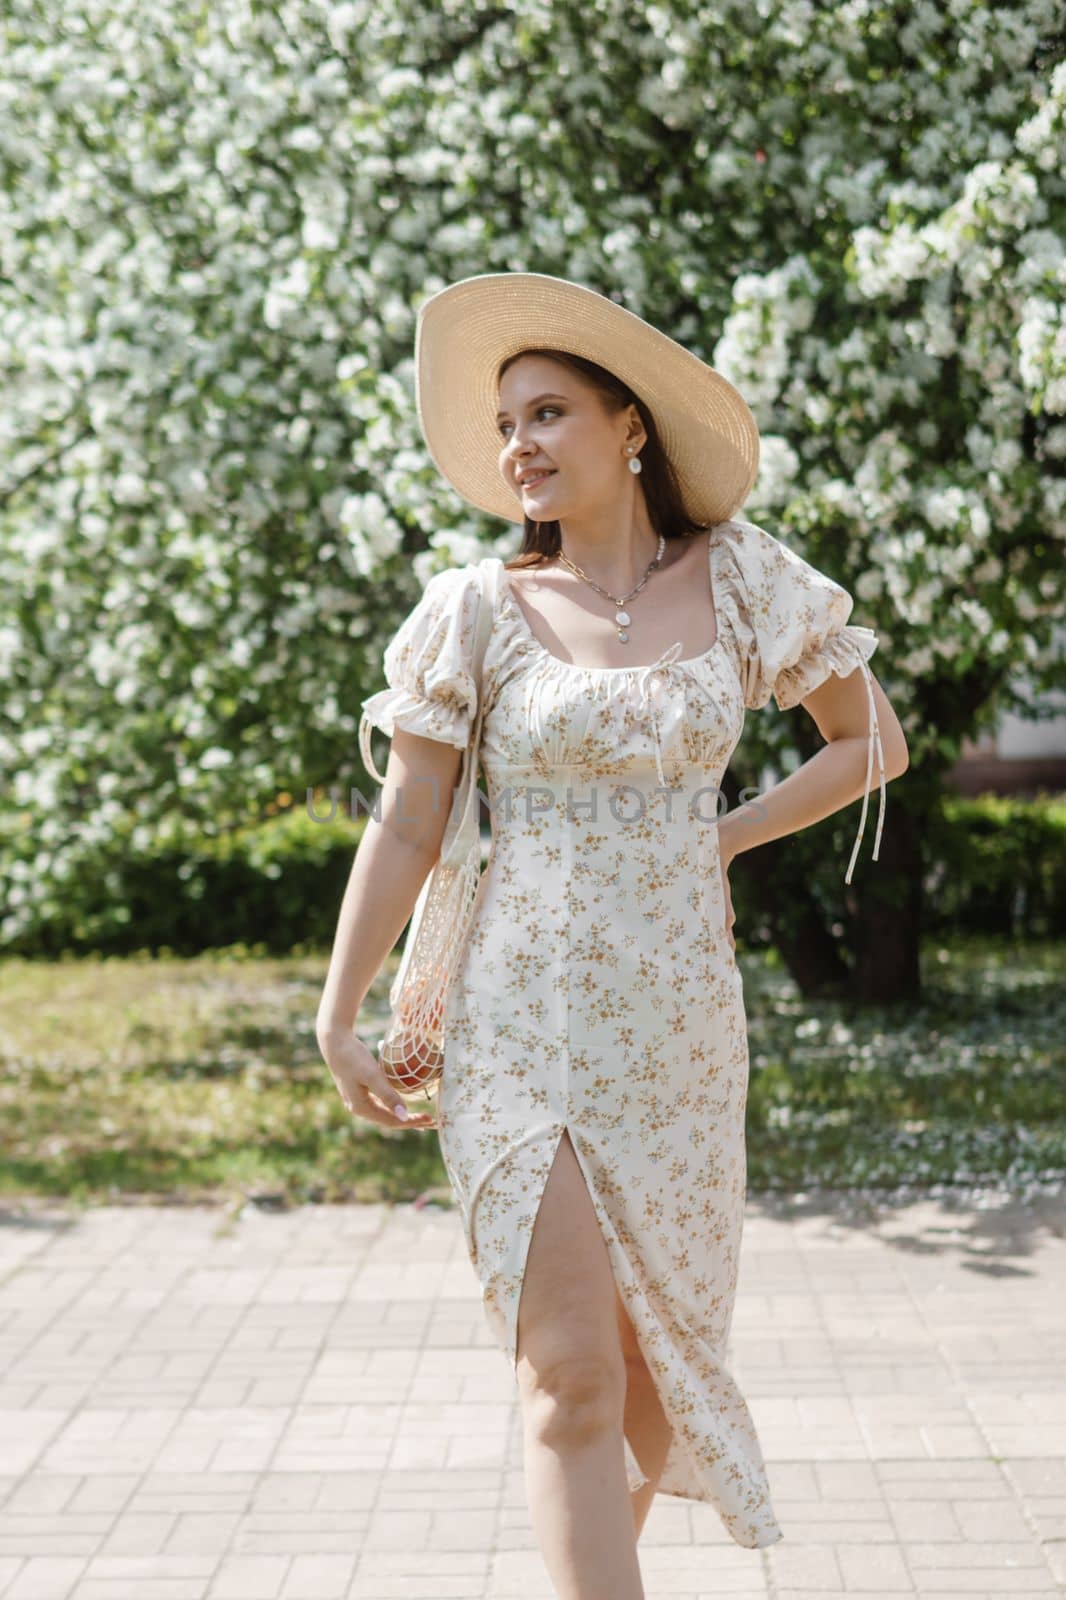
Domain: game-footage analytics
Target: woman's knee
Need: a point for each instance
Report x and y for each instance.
(574, 1397)
(569, 1360)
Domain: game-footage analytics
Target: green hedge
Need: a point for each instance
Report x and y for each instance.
(993, 866)
(277, 885)
(997, 865)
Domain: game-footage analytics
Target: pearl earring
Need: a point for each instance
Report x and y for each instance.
(634, 462)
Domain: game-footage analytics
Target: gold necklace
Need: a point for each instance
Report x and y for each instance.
(621, 616)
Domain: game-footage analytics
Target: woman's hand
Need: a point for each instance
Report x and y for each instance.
(362, 1084)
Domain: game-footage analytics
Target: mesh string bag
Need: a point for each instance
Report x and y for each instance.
(411, 1051)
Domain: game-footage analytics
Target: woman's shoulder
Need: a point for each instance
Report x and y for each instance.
(760, 571)
(450, 597)
(750, 547)
(452, 583)
(743, 558)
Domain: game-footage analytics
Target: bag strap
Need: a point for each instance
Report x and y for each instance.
(463, 830)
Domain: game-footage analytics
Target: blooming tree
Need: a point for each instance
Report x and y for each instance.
(215, 503)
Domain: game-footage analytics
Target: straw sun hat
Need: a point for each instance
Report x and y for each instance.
(465, 331)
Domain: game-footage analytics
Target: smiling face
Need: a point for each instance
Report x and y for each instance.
(552, 419)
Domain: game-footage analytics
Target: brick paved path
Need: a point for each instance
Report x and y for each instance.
(307, 1406)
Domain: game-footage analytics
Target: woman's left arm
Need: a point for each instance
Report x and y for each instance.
(832, 778)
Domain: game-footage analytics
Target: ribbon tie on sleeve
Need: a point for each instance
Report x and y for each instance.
(365, 750)
(646, 680)
(874, 735)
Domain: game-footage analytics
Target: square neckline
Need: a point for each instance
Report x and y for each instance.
(574, 666)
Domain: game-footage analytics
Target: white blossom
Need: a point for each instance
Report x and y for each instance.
(210, 445)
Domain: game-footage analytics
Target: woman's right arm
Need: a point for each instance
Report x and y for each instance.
(398, 850)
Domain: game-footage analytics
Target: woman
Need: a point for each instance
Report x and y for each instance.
(591, 1109)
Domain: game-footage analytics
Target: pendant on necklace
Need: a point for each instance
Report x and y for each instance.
(622, 618)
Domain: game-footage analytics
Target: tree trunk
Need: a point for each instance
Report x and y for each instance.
(882, 905)
(777, 878)
(888, 929)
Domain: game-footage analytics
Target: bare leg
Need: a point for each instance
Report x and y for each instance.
(572, 1382)
(647, 1428)
(649, 1433)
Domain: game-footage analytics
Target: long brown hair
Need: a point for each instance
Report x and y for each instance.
(662, 492)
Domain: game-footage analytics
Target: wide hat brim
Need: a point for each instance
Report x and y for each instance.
(464, 332)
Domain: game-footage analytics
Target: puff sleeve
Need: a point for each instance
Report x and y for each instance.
(429, 668)
(790, 622)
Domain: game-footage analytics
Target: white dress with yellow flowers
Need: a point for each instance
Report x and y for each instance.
(598, 991)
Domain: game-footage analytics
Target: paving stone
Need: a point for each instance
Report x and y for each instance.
(249, 1578)
(45, 1578)
(867, 1567)
(309, 1406)
(155, 1577)
(811, 1567)
(318, 1577)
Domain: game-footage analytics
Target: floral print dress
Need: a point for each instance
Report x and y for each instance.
(598, 992)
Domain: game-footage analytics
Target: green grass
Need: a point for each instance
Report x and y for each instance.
(201, 1080)
(188, 1080)
(967, 1087)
